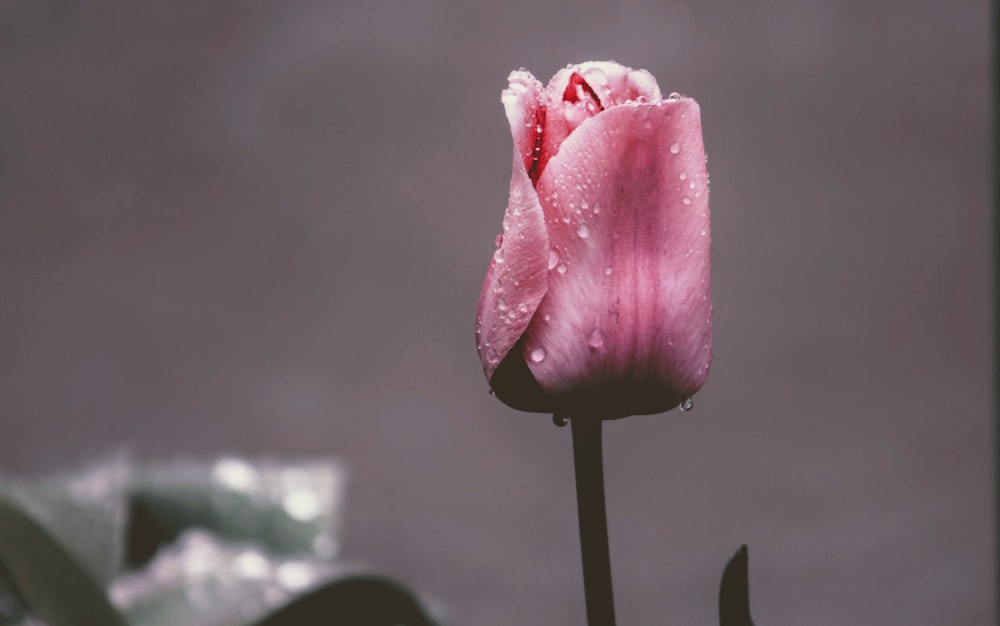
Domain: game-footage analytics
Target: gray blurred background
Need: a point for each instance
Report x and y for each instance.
(262, 228)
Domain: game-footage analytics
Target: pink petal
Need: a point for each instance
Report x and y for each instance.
(614, 83)
(625, 326)
(517, 277)
(611, 83)
(525, 101)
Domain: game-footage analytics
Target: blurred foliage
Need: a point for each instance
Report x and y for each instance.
(193, 543)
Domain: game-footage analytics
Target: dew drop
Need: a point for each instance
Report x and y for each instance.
(501, 304)
(511, 314)
(674, 96)
(582, 231)
(538, 355)
(596, 339)
(703, 232)
(522, 308)
(553, 258)
(561, 268)
(675, 148)
(608, 270)
(597, 208)
(498, 255)
(595, 75)
(691, 185)
(687, 404)
(491, 355)
(682, 175)
(686, 200)
(566, 218)
(491, 392)
(547, 317)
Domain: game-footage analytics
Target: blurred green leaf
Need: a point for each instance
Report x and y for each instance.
(43, 578)
(359, 600)
(223, 543)
(86, 510)
(290, 508)
(204, 580)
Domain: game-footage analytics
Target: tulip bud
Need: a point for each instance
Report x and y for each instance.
(596, 302)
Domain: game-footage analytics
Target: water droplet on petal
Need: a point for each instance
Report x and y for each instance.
(686, 200)
(561, 268)
(675, 148)
(597, 208)
(703, 232)
(691, 185)
(553, 258)
(501, 304)
(547, 317)
(687, 404)
(491, 392)
(596, 339)
(538, 355)
(673, 96)
(682, 175)
(582, 231)
(498, 256)
(523, 307)
(608, 271)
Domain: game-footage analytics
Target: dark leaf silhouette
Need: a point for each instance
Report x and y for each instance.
(734, 592)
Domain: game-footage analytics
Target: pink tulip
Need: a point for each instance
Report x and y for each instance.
(596, 302)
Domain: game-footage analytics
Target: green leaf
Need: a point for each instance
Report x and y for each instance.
(86, 510)
(734, 591)
(290, 508)
(43, 580)
(361, 600)
(204, 580)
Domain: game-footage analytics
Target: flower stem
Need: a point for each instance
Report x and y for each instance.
(593, 522)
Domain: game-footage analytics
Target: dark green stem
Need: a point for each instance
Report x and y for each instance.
(593, 522)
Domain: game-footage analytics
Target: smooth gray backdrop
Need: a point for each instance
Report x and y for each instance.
(262, 227)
